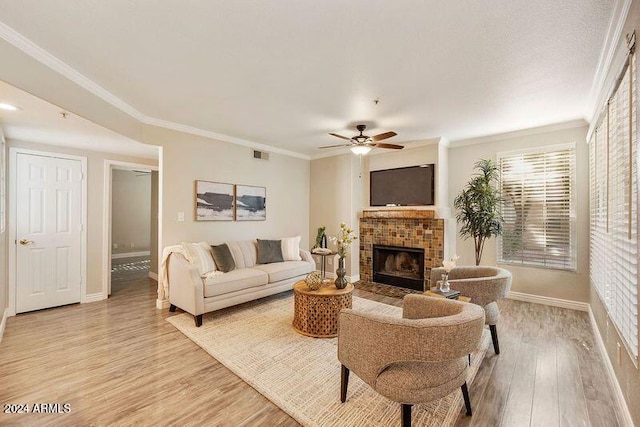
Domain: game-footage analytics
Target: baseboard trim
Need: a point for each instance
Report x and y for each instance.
(130, 254)
(3, 322)
(94, 297)
(162, 303)
(153, 276)
(555, 302)
(611, 373)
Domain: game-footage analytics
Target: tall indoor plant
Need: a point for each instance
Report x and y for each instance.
(478, 206)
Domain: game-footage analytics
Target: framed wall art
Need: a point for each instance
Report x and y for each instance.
(214, 201)
(251, 203)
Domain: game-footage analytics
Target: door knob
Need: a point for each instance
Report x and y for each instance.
(25, 241)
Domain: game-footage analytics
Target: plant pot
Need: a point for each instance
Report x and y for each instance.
(341, 280)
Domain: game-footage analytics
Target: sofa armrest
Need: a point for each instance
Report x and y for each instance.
(306, 256)
(186, 289)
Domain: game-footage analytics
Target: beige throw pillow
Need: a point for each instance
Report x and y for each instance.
(199, 254)
(291, 248)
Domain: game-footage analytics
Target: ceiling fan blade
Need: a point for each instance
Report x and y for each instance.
(334, 146)
(392, 146)
(340, 136)
(383, 136)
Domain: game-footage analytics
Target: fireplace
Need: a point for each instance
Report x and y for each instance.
(399, 266)
(401, 228)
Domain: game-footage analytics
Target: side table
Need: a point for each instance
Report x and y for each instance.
(323, 264)
(315, 313)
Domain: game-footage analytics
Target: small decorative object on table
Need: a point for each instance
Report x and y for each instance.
(321, 239)
(448, 266)
(314, 280)
(343, 240)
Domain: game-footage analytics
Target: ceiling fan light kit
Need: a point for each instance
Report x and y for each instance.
(361, 150)
(362, 144)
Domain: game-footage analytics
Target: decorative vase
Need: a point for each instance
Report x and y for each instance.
(444, 284)
(323, 241)
(341, 281)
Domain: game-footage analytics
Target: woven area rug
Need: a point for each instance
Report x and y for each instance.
(300, 374)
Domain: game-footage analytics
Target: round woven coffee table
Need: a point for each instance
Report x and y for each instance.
(315, 313)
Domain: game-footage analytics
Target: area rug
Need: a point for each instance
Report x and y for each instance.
(301, 375)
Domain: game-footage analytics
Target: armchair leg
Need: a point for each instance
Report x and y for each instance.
(172, 308)
(198, 320)
(406, 415)
(344, 382)
(494, 337)
(465, 395)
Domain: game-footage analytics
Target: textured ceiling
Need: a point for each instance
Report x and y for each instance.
(286, 73)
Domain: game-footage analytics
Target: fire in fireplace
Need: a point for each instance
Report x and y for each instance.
(399, 266)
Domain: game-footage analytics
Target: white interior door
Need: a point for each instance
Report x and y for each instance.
(48, 231)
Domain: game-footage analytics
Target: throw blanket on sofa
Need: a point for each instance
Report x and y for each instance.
(163, 289)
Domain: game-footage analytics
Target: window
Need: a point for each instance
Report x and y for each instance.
(538, 207)
(613, 191)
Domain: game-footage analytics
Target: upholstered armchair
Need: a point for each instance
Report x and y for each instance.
(415, 359)
(484, 285)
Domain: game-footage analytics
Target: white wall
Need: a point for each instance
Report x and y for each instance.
(336, 196)
(537, 281)
(130, 211)
(187, 158)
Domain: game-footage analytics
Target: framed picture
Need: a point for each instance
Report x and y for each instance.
(251, 203)
(214, 201)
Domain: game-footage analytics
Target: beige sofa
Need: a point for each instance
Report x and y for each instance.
(248, 281)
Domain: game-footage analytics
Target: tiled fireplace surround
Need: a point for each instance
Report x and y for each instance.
(406, 228)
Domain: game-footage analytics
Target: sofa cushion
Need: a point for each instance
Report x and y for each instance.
(199, 254)
(269, 251)
(238, 279)
(244, 253)
(285, 270)
(223, 258)
(291, 249)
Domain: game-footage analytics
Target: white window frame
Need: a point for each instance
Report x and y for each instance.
(572, 208)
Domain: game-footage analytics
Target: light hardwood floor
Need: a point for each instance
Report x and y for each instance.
(118, 362)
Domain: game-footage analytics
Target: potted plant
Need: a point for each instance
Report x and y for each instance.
(478, 206)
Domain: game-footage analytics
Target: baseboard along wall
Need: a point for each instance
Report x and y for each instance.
(3, 322)
(626, 420)
(153, 276)
(94, 297)
(130, 254)
(555, 302)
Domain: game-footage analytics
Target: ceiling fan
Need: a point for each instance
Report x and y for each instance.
(362, 144)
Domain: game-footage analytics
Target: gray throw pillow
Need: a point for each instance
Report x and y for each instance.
(269, 251)
(223, 258)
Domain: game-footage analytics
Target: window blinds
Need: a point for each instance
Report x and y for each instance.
(613, 188)
(537, 188)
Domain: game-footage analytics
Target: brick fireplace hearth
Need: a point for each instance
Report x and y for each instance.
(401, 228)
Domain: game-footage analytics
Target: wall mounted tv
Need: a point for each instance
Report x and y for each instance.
(410, 186)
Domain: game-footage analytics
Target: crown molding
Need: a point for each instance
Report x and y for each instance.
(611, 42)
(36, 52)
(221, 137)
(519, 133)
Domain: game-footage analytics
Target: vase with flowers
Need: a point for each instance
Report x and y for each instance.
(448, 266)
(343, 242)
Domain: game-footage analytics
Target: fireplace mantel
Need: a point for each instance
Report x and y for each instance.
(399, 213)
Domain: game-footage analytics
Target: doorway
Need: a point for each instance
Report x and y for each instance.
(130, 226)
(48, 197)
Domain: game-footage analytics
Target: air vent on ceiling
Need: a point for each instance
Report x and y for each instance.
(262, 155)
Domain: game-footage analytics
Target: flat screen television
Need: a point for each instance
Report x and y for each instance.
(410, 186)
